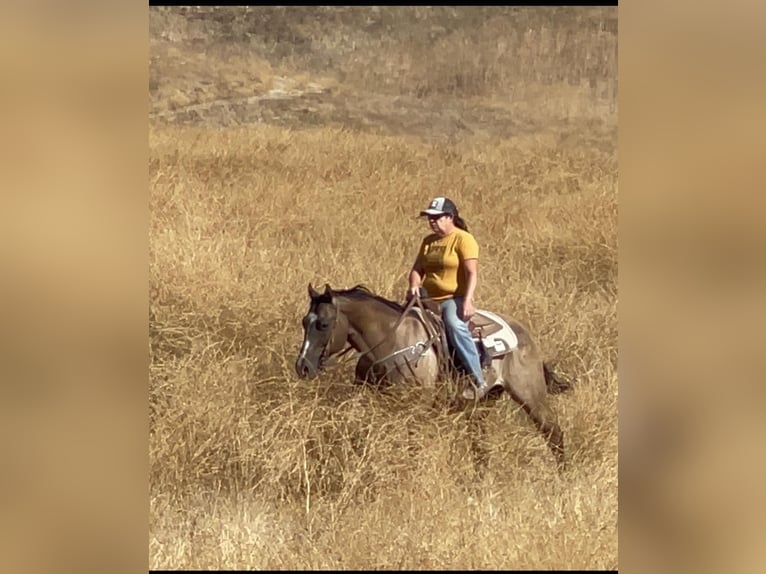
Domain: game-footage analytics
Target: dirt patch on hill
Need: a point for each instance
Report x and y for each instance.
(435, 119)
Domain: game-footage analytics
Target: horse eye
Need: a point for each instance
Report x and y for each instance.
(323, 325)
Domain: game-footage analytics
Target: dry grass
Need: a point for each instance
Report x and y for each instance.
(252, 468)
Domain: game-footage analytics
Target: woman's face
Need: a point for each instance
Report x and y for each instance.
(441, 225)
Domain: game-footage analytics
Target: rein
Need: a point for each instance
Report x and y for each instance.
(416, 350)
(413, 351)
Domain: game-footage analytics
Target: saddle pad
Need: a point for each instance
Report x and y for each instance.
(495, 334)
(493, 331)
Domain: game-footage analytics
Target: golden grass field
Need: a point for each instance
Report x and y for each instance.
(512, 114)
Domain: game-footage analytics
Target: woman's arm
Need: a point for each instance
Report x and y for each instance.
(415, 279)
(472, 275)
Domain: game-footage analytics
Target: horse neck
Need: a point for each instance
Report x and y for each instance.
(370, 322)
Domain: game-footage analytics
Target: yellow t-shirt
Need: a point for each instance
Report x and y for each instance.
(440, 262)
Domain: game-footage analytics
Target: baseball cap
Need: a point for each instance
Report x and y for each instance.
(440, 205)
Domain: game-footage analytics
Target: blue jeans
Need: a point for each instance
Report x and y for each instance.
(459, 337)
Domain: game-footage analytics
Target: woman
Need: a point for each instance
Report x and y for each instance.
(447, 269)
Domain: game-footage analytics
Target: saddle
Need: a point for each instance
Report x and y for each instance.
(491, 334)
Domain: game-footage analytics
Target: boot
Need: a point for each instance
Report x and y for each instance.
(476, 392)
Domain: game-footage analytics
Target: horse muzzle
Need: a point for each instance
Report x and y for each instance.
(305, 369)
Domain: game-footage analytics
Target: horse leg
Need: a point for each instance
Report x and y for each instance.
(525, 382)
(546, 423)
(365, 373)
(479, 451)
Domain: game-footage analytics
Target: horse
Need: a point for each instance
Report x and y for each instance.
(398, 344)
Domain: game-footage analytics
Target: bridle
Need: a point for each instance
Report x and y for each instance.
(409, 353)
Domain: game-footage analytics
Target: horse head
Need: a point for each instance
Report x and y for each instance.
(324, 333)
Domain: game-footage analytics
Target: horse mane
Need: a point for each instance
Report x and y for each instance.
(363, 292)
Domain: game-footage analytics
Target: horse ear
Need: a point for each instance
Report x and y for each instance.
(327, 289)
(313, 293)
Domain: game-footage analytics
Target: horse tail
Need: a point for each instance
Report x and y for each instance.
(554, 382)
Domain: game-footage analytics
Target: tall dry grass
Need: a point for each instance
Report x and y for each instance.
(252, 468)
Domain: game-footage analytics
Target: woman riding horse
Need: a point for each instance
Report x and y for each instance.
(446, 268)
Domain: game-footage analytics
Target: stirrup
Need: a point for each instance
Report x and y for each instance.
(472, 392)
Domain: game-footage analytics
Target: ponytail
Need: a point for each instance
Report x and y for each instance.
(460, 222)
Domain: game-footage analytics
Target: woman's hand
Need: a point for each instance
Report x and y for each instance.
(412, 292)
(468, 309)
